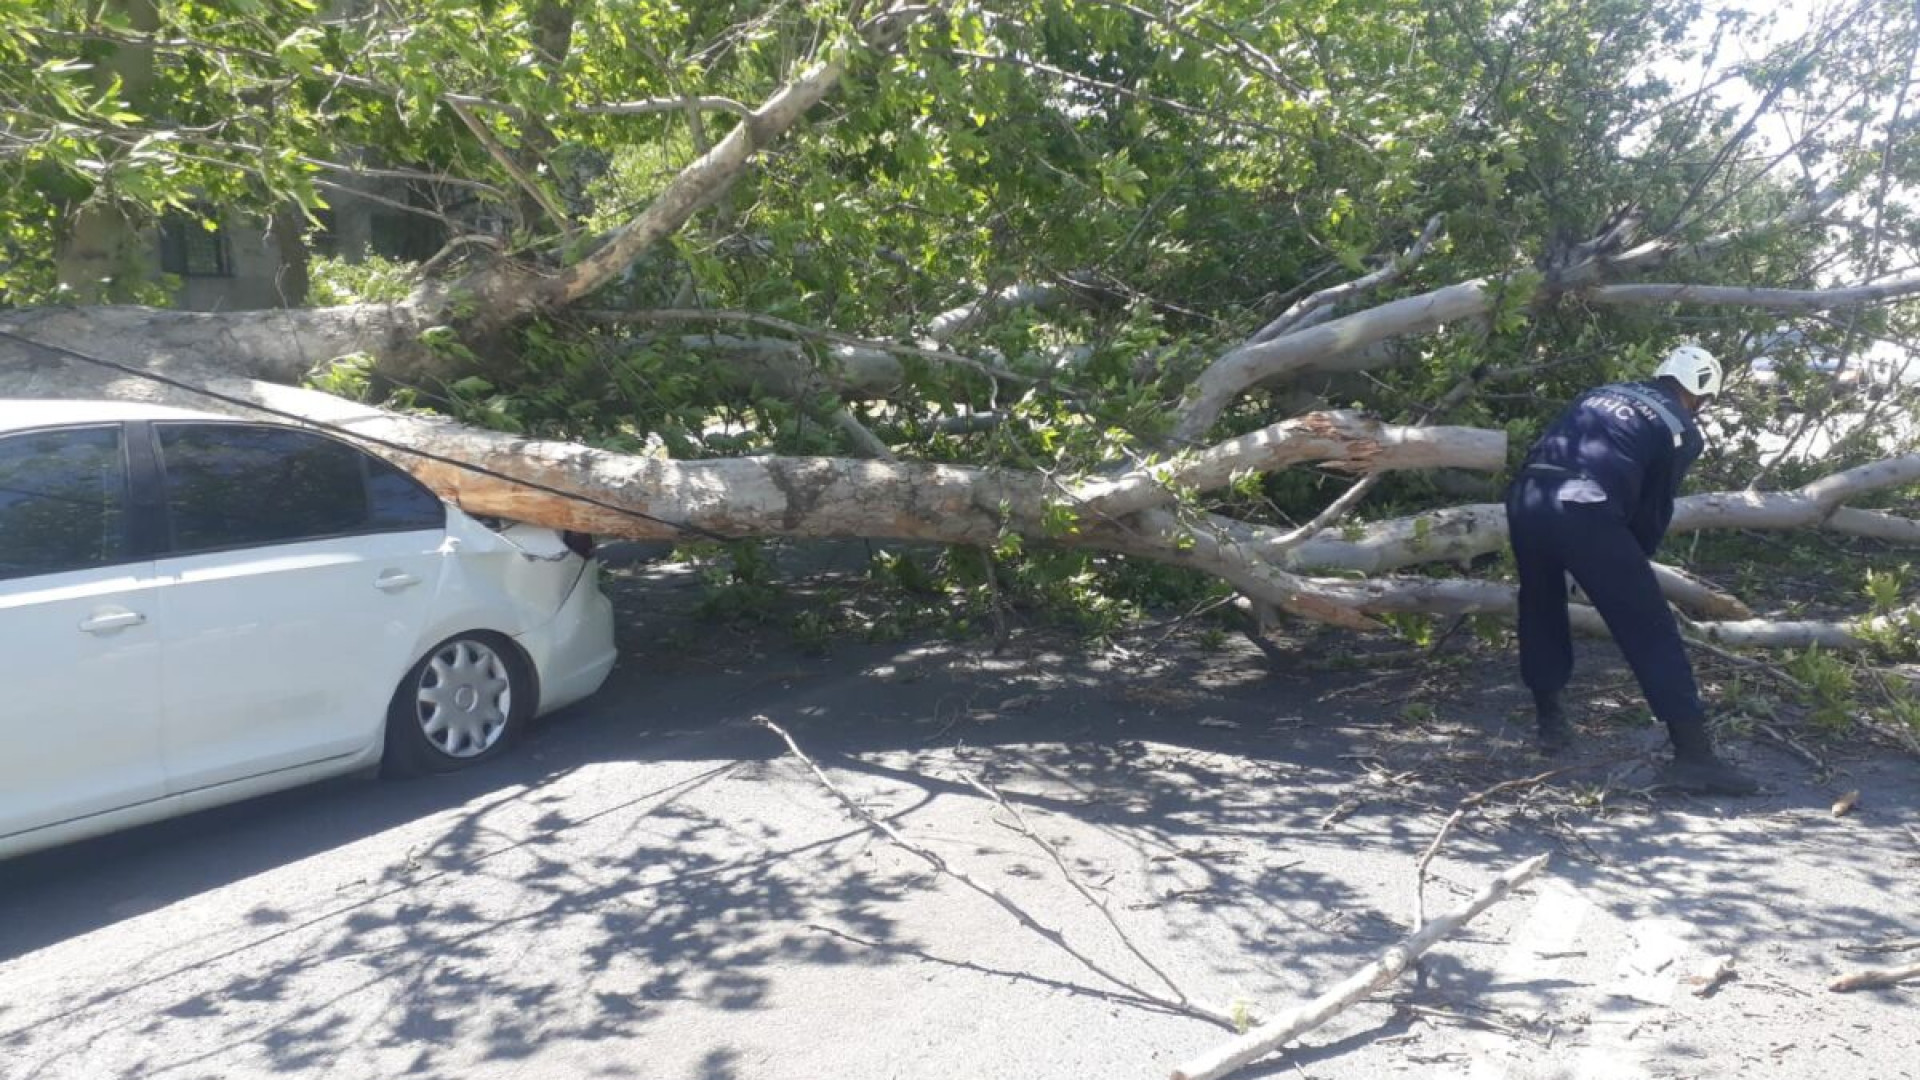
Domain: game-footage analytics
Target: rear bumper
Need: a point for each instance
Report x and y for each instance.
(573, 651)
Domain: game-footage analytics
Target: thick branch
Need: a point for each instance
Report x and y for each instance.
(1322, 348)
(503, 296)
(1346, 439)
(1769, 299)
(1461, 533)
(1344, 344)
(954, 321)
(576, 487)
(1464, 596)
(279, 344)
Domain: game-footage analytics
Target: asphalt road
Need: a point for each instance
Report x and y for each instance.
(651, 888)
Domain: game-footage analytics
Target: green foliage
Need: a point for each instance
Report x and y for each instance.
(1416, 629)
(1903, 707)
(1884, 587)
(813, 630)
(371, 279)
(350, 377)
(1830, 688)
(738, 581)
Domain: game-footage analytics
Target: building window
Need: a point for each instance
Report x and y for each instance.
(190, 249)
(323, 234)
(407, 237)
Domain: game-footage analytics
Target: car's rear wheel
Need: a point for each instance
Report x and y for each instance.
(463, 703)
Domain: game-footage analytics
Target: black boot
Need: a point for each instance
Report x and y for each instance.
(1555, 735)
(1700, 773)
(1696, 769)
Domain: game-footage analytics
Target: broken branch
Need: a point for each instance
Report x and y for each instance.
(940, 865)
(1059, 860)
(1874, 977)
(1389, 966)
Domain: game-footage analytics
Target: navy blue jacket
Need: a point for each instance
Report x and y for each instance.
(1629, 449)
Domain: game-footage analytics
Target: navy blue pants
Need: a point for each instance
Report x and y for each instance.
(1591, 541)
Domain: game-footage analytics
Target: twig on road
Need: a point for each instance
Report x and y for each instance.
(1341, 812)
(1872, 977)
(1819, 763)
(1073, 879)
(940, 865)
(1387, 967)
(1474, 802)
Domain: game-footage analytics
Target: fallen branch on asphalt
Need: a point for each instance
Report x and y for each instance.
(1874, 977)
(1474, 802)
(940, 865)
(1059, 860)
(1389, 966)
(1884, 947)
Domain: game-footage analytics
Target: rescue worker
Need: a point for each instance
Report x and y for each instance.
(1592, 501)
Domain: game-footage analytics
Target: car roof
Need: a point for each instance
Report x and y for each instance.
(18, 414)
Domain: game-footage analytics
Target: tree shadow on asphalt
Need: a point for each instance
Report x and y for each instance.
(1232, 801)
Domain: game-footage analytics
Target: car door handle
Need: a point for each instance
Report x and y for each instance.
(107, 622)
(394, 581)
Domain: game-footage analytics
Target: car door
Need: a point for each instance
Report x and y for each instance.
(79, 642)
(298, 576)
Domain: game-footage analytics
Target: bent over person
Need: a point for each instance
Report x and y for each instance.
(1593, 501)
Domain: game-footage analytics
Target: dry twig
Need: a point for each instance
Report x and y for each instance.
(1059, 860)
(1474, 802)
(1819, 763)
(940, 865)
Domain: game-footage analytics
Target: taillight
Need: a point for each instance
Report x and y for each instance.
(579, 543)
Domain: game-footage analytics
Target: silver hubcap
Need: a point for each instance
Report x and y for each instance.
(465, 698)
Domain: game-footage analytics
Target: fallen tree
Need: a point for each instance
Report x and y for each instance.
(569, 486)
(1158, 494)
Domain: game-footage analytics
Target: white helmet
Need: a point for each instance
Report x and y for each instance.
(1694, 368)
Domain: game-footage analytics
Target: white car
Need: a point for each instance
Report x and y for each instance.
(196, 609)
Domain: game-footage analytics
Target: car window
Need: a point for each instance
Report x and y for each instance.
(63, 501)
(238, 485)
(398, 501)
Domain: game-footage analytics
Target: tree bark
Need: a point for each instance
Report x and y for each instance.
(276, 345)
